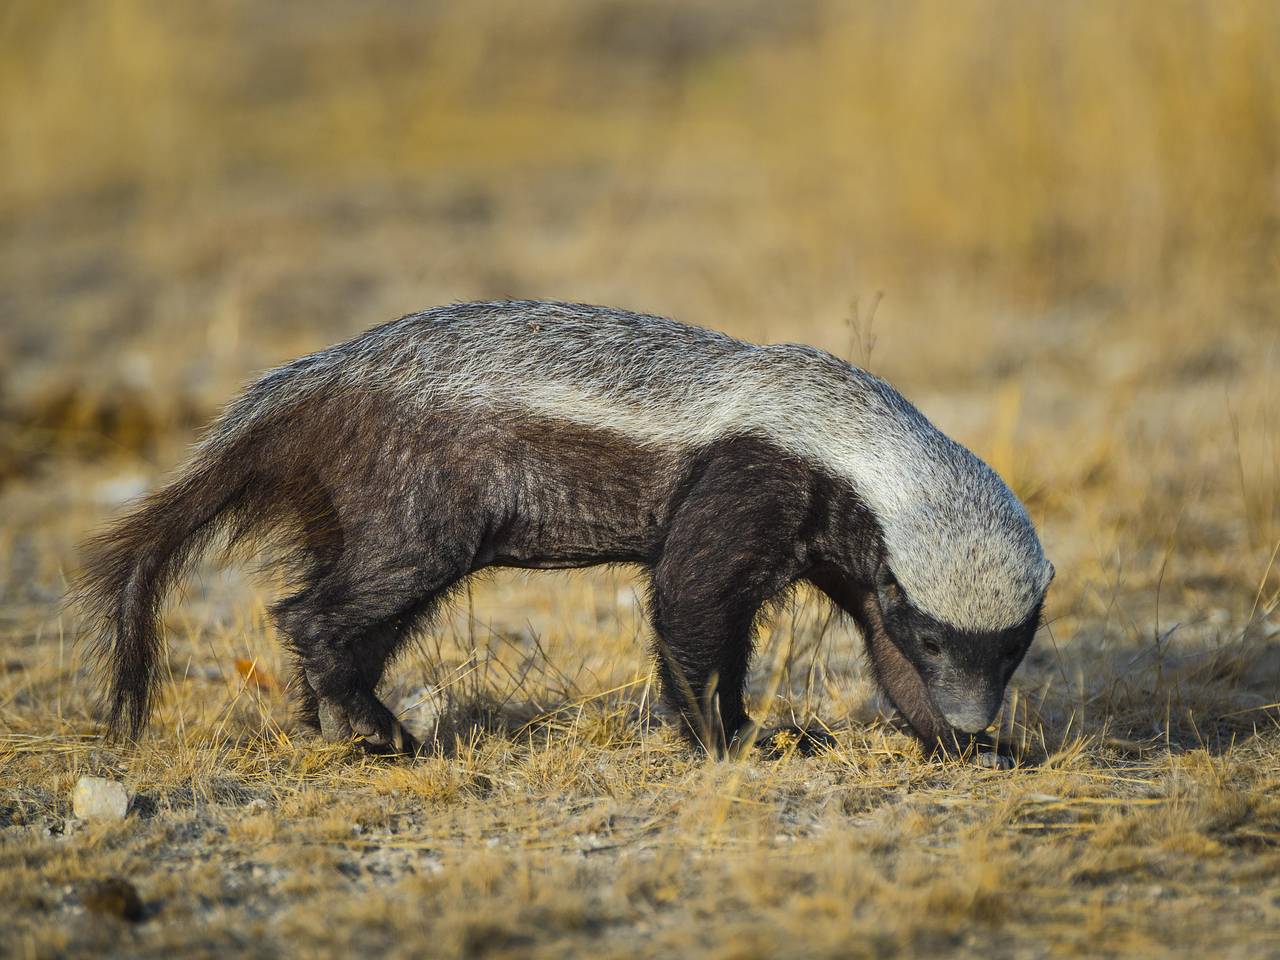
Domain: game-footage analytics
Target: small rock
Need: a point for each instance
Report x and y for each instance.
(97, 798)
(420, 712)
(115, 897)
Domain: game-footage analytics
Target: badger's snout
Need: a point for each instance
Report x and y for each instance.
(969, 719)
(969, 714)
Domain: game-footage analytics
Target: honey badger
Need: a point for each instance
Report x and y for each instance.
(548, 435)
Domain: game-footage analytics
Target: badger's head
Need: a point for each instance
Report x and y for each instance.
(964, 671)
(960, 589)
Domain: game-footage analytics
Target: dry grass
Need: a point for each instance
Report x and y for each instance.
(1073, 213)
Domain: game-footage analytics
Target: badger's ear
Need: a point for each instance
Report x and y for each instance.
(1052, 573)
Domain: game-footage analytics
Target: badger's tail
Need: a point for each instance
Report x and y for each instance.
(130, 567)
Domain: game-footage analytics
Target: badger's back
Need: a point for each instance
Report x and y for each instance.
(958, 540)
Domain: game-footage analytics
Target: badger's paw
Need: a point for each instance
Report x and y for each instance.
(983, 751)
(993, 760)
(367, 723)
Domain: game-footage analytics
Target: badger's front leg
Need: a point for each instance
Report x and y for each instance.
(704, 648)
(731, 546)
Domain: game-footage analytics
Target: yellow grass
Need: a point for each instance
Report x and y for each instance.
(1055, 226)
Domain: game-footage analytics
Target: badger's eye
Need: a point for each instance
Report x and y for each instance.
(931, 647)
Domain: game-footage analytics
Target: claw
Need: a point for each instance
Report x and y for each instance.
(397, 740)
(403, 742)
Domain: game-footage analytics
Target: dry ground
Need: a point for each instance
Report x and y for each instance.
(1072, 213)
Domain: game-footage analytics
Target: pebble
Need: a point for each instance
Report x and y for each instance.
(97, 798)
(420, 711)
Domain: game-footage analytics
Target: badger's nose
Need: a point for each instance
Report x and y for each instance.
(969, 719)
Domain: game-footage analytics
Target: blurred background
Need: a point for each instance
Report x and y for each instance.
(1056, 226)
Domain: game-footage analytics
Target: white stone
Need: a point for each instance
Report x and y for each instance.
(97, 798)
(420, 712)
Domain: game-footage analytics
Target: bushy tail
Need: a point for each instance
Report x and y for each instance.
(130, 567)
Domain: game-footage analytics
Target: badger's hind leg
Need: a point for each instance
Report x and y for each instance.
(344, 629)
